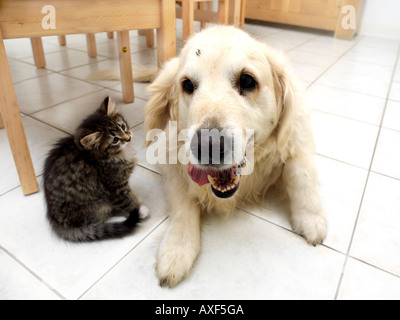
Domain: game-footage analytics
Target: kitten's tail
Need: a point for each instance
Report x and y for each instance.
(139, 74)
(98, 231)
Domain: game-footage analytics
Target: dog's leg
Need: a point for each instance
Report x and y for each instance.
(181, 243)
(308, 218)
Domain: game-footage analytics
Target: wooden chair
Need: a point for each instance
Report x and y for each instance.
(38, 52)
(229, 11)
(23, 19)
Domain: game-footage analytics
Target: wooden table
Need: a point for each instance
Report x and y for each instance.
(331, 15)
(23, 18)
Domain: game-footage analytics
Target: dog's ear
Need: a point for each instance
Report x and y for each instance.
(285, 96)
(163, 104)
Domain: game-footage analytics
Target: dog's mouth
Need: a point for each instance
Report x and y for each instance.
(224, 183)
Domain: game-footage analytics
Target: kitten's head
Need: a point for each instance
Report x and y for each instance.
(105, 133)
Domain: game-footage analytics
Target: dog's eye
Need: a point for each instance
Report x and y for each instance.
(247, 82)
(188, 86)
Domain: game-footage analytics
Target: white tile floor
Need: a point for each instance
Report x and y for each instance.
(354, 90)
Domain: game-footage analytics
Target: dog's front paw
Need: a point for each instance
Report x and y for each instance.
(312, 226)
(173, 265)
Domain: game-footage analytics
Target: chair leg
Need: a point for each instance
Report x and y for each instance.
(38, 52)
(187, 19)
(236, 13)
(203, 6)
(1, 122)
(242, 13)
(62, 40)
(166, 34)
(125, 66)
(12, 121)
(223, 11)
(91, 45)
(150, 38)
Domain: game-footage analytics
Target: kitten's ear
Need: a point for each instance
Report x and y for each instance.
(107, 107)
(91, 141)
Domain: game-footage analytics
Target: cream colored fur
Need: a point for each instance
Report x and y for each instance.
(283, 141)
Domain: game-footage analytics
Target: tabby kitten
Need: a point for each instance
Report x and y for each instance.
(86, 180)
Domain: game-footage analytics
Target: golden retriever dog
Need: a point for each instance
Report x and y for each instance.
(226, 80)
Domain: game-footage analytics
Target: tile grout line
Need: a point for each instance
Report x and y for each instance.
(122, 258)
(42, 281)
(367, 179)
(333, 63)
(347, 117)
(286, 229)
(148, 169)
(377, 267)
(361, 201)
(302, 44)
(358, 167)
(45, 123)
(32, 115)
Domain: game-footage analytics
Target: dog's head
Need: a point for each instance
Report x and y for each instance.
(230, 91)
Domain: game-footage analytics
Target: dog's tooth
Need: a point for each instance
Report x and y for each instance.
(212, 180)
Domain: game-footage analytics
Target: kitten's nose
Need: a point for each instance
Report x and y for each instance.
(129, 137)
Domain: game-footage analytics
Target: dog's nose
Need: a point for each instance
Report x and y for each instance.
(212, 146)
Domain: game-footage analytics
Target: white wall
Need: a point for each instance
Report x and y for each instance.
(381, 18)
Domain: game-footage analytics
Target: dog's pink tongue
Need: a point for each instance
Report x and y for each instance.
(199, 176)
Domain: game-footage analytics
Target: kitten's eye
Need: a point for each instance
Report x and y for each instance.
(115, 140)
(188, 86)
(123, 126)
(247, 83)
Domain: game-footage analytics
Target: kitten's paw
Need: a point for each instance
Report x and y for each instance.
(144, 213)
(312, 226)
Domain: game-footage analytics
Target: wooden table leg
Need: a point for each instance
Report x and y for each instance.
(91, 45)
(125, 66)
(166, 35)
(347, 31)
(38, 52)
(14, 127)
(62, 40)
